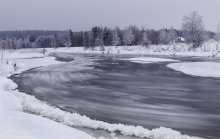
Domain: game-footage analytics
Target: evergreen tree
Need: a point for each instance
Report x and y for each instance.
(71, 38)
(107, 37)
(86, 41)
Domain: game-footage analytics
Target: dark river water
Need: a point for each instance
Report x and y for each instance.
(110, 89)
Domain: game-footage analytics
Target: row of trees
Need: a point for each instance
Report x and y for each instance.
(12, 41)
(192, 30)
(98, 36)
(132, 35)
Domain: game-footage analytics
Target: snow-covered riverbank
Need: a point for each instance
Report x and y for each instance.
(15, 123)
(13, 103)
(210, 48)
(203, 69)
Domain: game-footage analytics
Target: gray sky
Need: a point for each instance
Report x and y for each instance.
(83, 14)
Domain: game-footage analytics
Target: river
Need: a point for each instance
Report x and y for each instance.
(114, 90)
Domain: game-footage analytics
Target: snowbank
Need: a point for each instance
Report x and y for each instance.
(31, 104)
(150, 60)
(15, 124)
(204, 69)
(27, 126)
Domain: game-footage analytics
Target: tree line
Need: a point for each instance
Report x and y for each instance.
(192, 31)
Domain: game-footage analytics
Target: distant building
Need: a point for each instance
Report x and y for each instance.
(180, 40)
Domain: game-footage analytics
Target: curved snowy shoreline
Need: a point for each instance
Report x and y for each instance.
(202, 69)
(12, 101)
(17, 123)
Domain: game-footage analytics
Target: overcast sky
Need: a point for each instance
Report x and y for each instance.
(83, 14)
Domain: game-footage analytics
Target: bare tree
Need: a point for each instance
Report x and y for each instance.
(99, 41)
(193, 29)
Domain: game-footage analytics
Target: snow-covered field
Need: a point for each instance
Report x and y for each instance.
(16, 104)
(203, 69)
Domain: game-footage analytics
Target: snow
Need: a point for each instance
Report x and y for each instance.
(149, 60)
(19, 125)
(203, 69)
(31, 104)
(27, 126)
(208, 49)
(15, 123)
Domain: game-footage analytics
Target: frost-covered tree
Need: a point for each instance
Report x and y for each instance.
(193, 29)
(145, 40)
(99, 40)
(115, 37)
(128, 36)
(95, 34)
(43, 41)
(163, 36)
(172, 36)
(19, 44)
(64, 39)
(137, 35)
